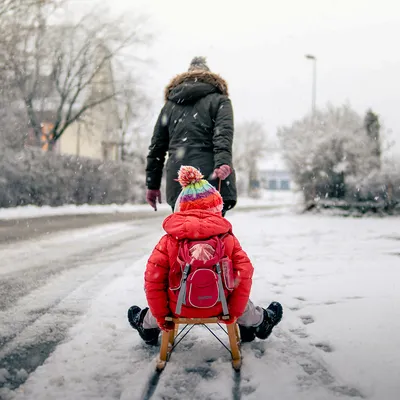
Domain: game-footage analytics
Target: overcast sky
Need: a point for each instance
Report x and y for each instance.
(258, 46)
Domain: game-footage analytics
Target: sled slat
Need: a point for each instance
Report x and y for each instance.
(234, 343)
(168, 338)
(192, 321)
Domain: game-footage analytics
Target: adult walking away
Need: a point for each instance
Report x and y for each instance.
(195, 127)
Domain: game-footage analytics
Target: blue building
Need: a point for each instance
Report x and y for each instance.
(273, 173)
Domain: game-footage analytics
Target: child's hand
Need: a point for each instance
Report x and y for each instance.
(165, 325)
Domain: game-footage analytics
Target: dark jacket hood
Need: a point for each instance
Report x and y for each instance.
(191, 86)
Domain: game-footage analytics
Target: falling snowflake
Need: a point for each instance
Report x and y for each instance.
(180, 153)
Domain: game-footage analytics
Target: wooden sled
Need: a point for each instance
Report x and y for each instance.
(169, 339)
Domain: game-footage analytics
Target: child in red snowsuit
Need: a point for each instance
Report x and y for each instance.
(198, 217)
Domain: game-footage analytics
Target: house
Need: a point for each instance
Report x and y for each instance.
(273, 173)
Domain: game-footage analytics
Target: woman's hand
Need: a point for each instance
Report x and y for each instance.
(222, 172)
(152, 195)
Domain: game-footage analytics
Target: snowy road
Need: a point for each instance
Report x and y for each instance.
(46, 285)
(64, 299)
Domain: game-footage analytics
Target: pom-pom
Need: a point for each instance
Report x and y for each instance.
(188, 175)
(199, 63)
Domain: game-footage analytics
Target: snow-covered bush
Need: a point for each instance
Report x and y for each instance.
(378, 186)
(34, 177)
(323, 150)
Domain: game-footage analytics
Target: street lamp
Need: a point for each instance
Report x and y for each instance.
(314, 84)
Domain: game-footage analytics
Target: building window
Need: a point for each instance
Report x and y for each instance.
(272, 184)
(45, 138)
(107, 151)
(285, 184)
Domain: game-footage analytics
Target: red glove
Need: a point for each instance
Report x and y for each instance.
(222, 172)
(152, 195)
(229, 321)
(165, 325)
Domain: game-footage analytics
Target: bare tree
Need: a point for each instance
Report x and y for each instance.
(15, 6)
(134, 114)
(13, 121)
(65, 70)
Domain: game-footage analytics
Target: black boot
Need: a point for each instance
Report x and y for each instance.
(135, 318)
(247, 333)
(272, 317)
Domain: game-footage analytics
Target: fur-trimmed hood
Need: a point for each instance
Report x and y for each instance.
(192, 77)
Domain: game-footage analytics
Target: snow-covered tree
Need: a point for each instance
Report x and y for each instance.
(322, 150)
(249, 146)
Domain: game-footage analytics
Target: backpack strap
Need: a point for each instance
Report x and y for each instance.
(222, 297)
(182, 292)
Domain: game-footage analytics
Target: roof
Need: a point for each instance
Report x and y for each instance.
(272, 162)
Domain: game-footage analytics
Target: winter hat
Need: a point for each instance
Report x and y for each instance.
(197, 193)
(198, 63)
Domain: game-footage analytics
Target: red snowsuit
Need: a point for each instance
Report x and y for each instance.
(195, 225)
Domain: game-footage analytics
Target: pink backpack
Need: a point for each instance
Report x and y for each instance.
(204, 274)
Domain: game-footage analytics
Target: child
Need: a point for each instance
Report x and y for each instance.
(198, 218)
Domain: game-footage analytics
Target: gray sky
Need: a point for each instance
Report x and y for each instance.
(258, 46)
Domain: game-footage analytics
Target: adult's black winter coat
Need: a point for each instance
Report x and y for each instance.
(195, 127)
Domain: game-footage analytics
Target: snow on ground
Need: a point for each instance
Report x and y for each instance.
(267, 198)
(271, 198)
(338, 280)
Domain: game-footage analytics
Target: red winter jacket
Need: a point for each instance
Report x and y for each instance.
(194, 224)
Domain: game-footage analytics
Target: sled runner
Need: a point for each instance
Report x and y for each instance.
(169, 340)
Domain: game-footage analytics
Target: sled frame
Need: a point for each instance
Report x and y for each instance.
(169, 339)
